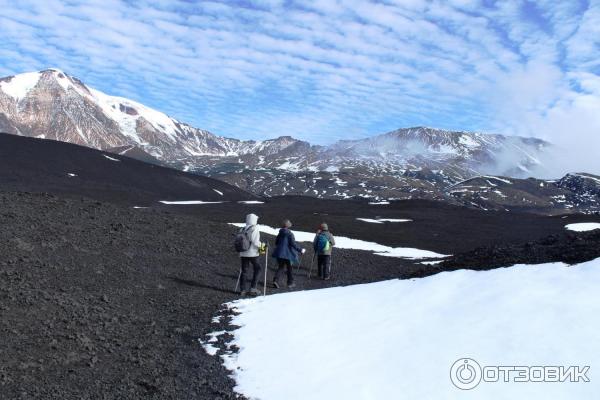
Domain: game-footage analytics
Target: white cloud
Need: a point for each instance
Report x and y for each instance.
(323, 70)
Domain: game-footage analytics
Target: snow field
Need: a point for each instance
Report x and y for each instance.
(20, 85)
(583, 226)
(399, 338)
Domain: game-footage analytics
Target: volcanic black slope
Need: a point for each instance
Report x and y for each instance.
(99, 300)
(39, 165)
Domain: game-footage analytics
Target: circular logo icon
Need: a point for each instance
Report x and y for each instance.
(465, 373)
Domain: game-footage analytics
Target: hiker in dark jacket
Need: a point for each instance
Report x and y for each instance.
(286, 252)
(323, 243)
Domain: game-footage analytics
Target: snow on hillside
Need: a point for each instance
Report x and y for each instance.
(400, 338)
(382, 220)
(20, 85)
(116, 108)
(189, 202)
(583, 226)
(356, 244)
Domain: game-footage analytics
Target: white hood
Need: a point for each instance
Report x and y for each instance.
(251, 219)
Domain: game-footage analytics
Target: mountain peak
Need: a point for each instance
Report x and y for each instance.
(53, 70)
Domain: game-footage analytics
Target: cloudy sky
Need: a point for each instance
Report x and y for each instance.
(322, 70)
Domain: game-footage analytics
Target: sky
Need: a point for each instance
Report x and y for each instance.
(324, 70)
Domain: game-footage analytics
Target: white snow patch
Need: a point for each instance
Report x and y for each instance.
(139, 207)
(20, 85)
(71, 175)
(583, 226)
(431, 262)
(212, 337)
(355, 244)
(189, 202)
(110, 158)
(111, 105)
(218, 192)
(498, 179)
(468, 141)
(209, 348)
(382, 220)
(379, 203)
(588, 177)
(340, 182)
(399, 338)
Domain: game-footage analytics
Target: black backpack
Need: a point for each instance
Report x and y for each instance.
(241, 242)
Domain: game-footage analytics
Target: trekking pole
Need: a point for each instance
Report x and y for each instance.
(238, 280)
(331, 263)
(311, 264)
(299, 263)
(266, 267)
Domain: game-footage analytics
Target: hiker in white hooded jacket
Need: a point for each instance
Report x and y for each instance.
(250, 256)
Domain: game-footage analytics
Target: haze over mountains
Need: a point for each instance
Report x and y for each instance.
(407, 163)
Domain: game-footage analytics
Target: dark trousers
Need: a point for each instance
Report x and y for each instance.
(246, 262)
(283, 263)
(324, 265)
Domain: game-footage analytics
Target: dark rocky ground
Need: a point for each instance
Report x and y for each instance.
(99, 300)
(28, 164)
(568, 247)
(435, 225)
(105, 301)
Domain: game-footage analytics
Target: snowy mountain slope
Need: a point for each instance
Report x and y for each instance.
(572, 193)
(53, 105)
(443, 155)
(403, 336)
(407, 163)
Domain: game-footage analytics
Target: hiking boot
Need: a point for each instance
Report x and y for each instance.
(254, 291)
(276, 285)
(291, 285)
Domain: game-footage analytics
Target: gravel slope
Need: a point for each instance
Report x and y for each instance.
(99, 300)
(104, 301)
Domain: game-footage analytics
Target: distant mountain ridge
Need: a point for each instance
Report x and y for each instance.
(417, 162)
(53, 105)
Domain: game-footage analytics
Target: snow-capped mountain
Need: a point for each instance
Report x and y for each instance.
(407, 163)
(53, 105)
